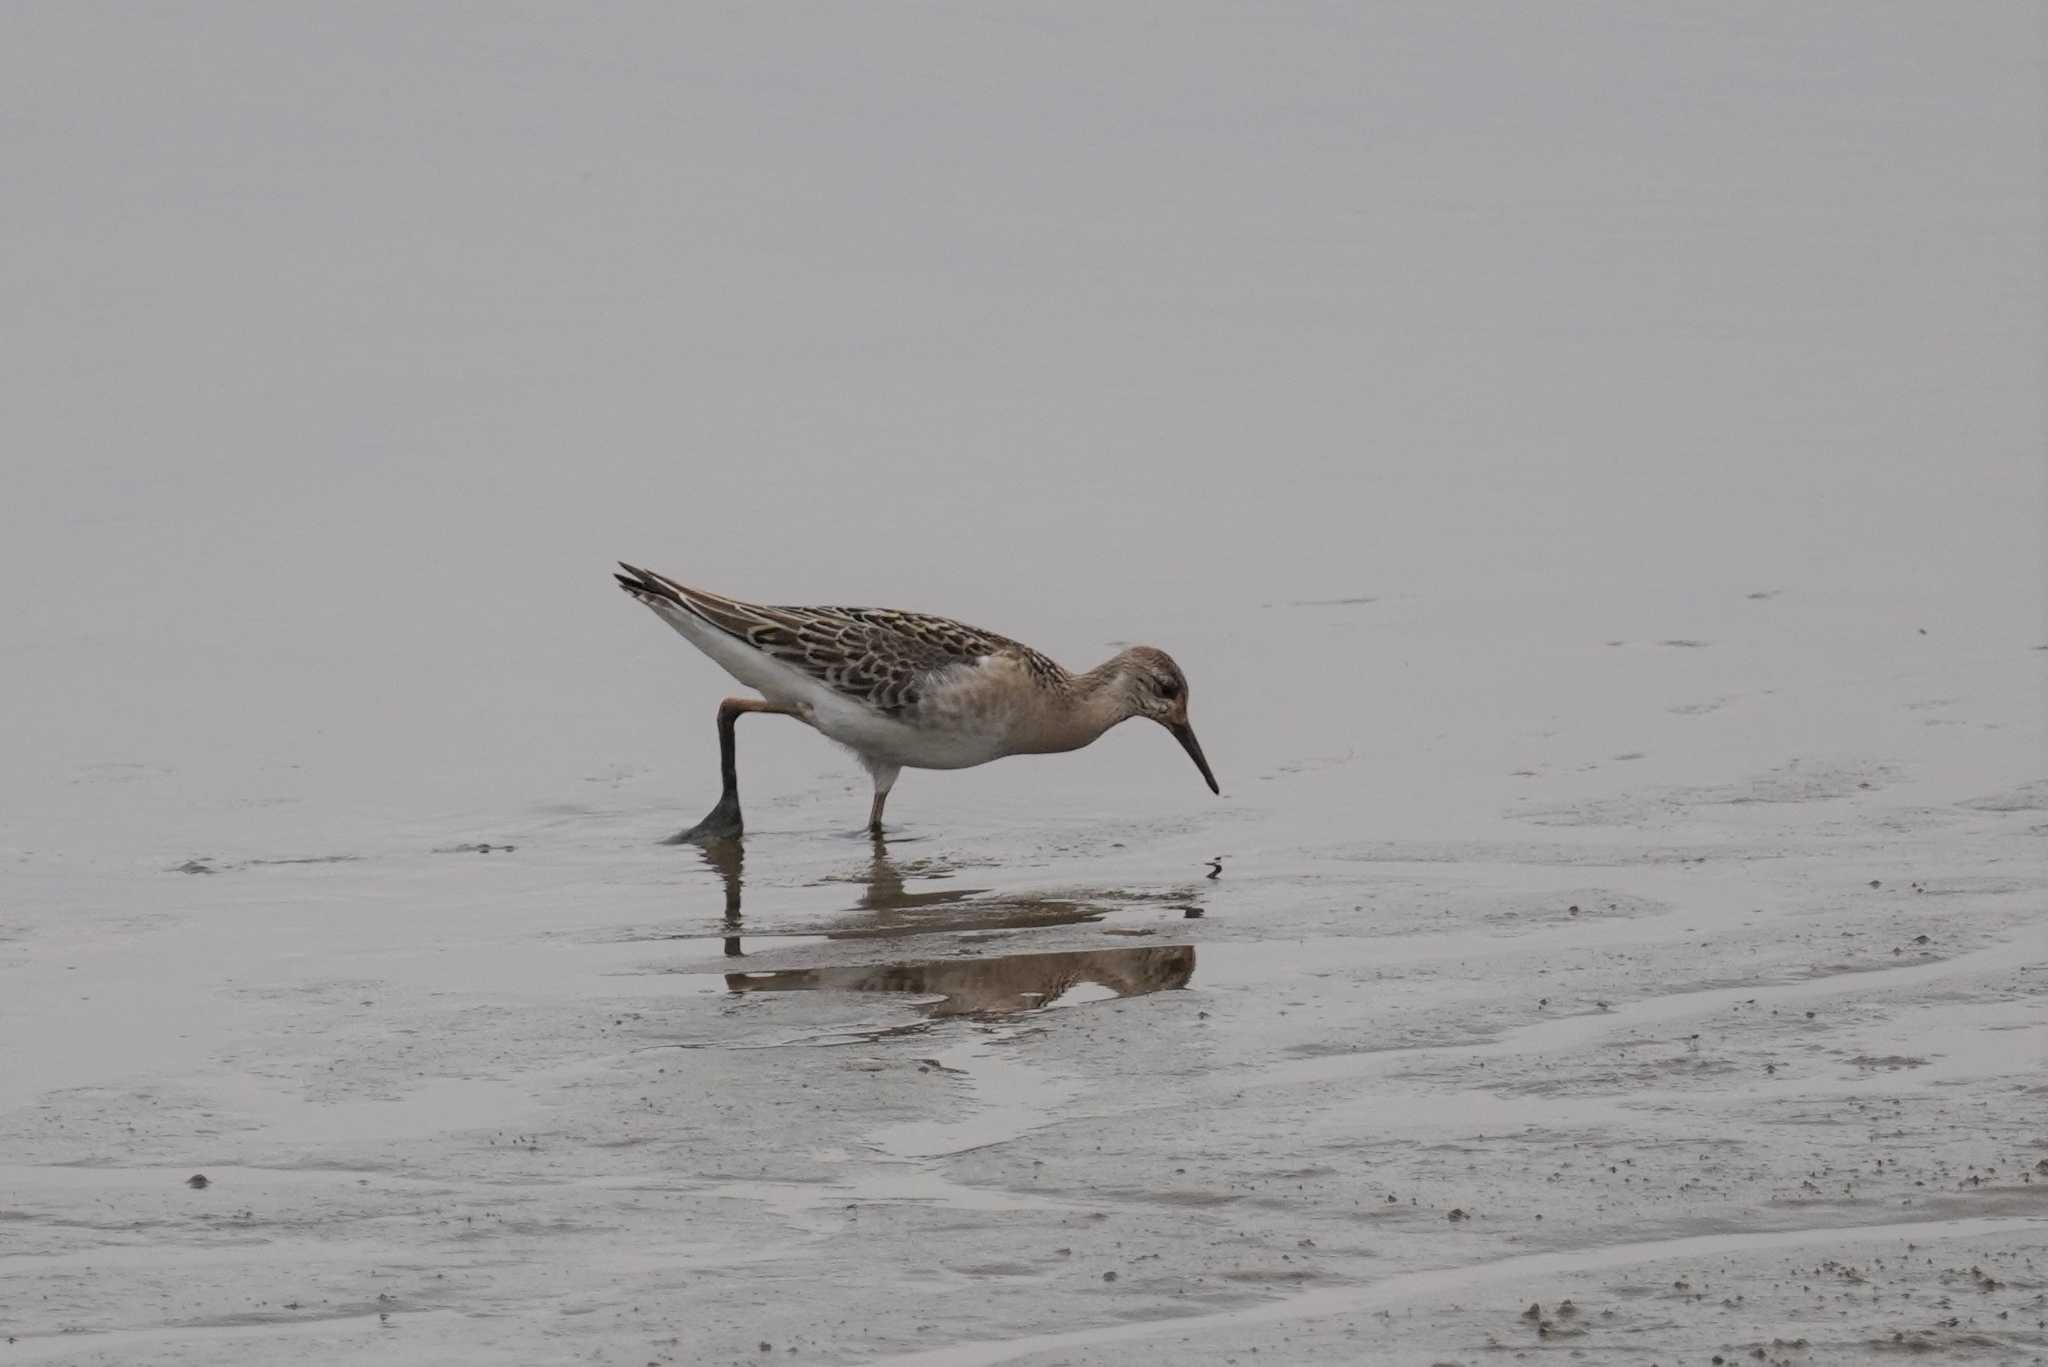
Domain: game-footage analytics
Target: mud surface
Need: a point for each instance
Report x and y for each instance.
(1748, 1063)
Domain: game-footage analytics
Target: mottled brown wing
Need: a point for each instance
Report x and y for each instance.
(881, 654)
(885, 657)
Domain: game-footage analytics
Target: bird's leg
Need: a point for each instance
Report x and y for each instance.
(885, 779)
(723, 822)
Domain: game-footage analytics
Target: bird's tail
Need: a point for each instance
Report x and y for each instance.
(649, 587)
(686, 609)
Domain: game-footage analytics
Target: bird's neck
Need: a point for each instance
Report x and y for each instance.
(1100, 699)
(1079, 712)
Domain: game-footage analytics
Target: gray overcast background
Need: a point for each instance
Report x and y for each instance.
(345, 346)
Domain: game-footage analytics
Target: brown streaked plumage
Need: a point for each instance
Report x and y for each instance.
(907, 690)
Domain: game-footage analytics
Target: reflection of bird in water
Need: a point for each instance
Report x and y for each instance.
(729, 858)
(903, 690)
(990, 985)
(993, 986)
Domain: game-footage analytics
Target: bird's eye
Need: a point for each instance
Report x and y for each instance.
(1168, 689)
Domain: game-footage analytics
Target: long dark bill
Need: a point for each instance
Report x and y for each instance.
(1185, 734)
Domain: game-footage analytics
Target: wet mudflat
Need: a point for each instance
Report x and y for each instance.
(1747, 1063)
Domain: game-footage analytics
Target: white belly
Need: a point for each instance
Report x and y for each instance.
(931, 744)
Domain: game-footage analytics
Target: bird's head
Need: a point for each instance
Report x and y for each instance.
(1154, 687)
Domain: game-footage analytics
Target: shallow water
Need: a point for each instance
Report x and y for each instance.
(1587, 465)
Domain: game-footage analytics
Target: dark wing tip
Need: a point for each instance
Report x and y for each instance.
(641, 584)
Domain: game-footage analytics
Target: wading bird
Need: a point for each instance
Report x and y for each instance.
(907, 691)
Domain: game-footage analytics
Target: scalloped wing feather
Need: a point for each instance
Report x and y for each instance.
(886, 658)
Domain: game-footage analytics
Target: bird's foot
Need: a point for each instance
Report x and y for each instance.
(722, 823)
